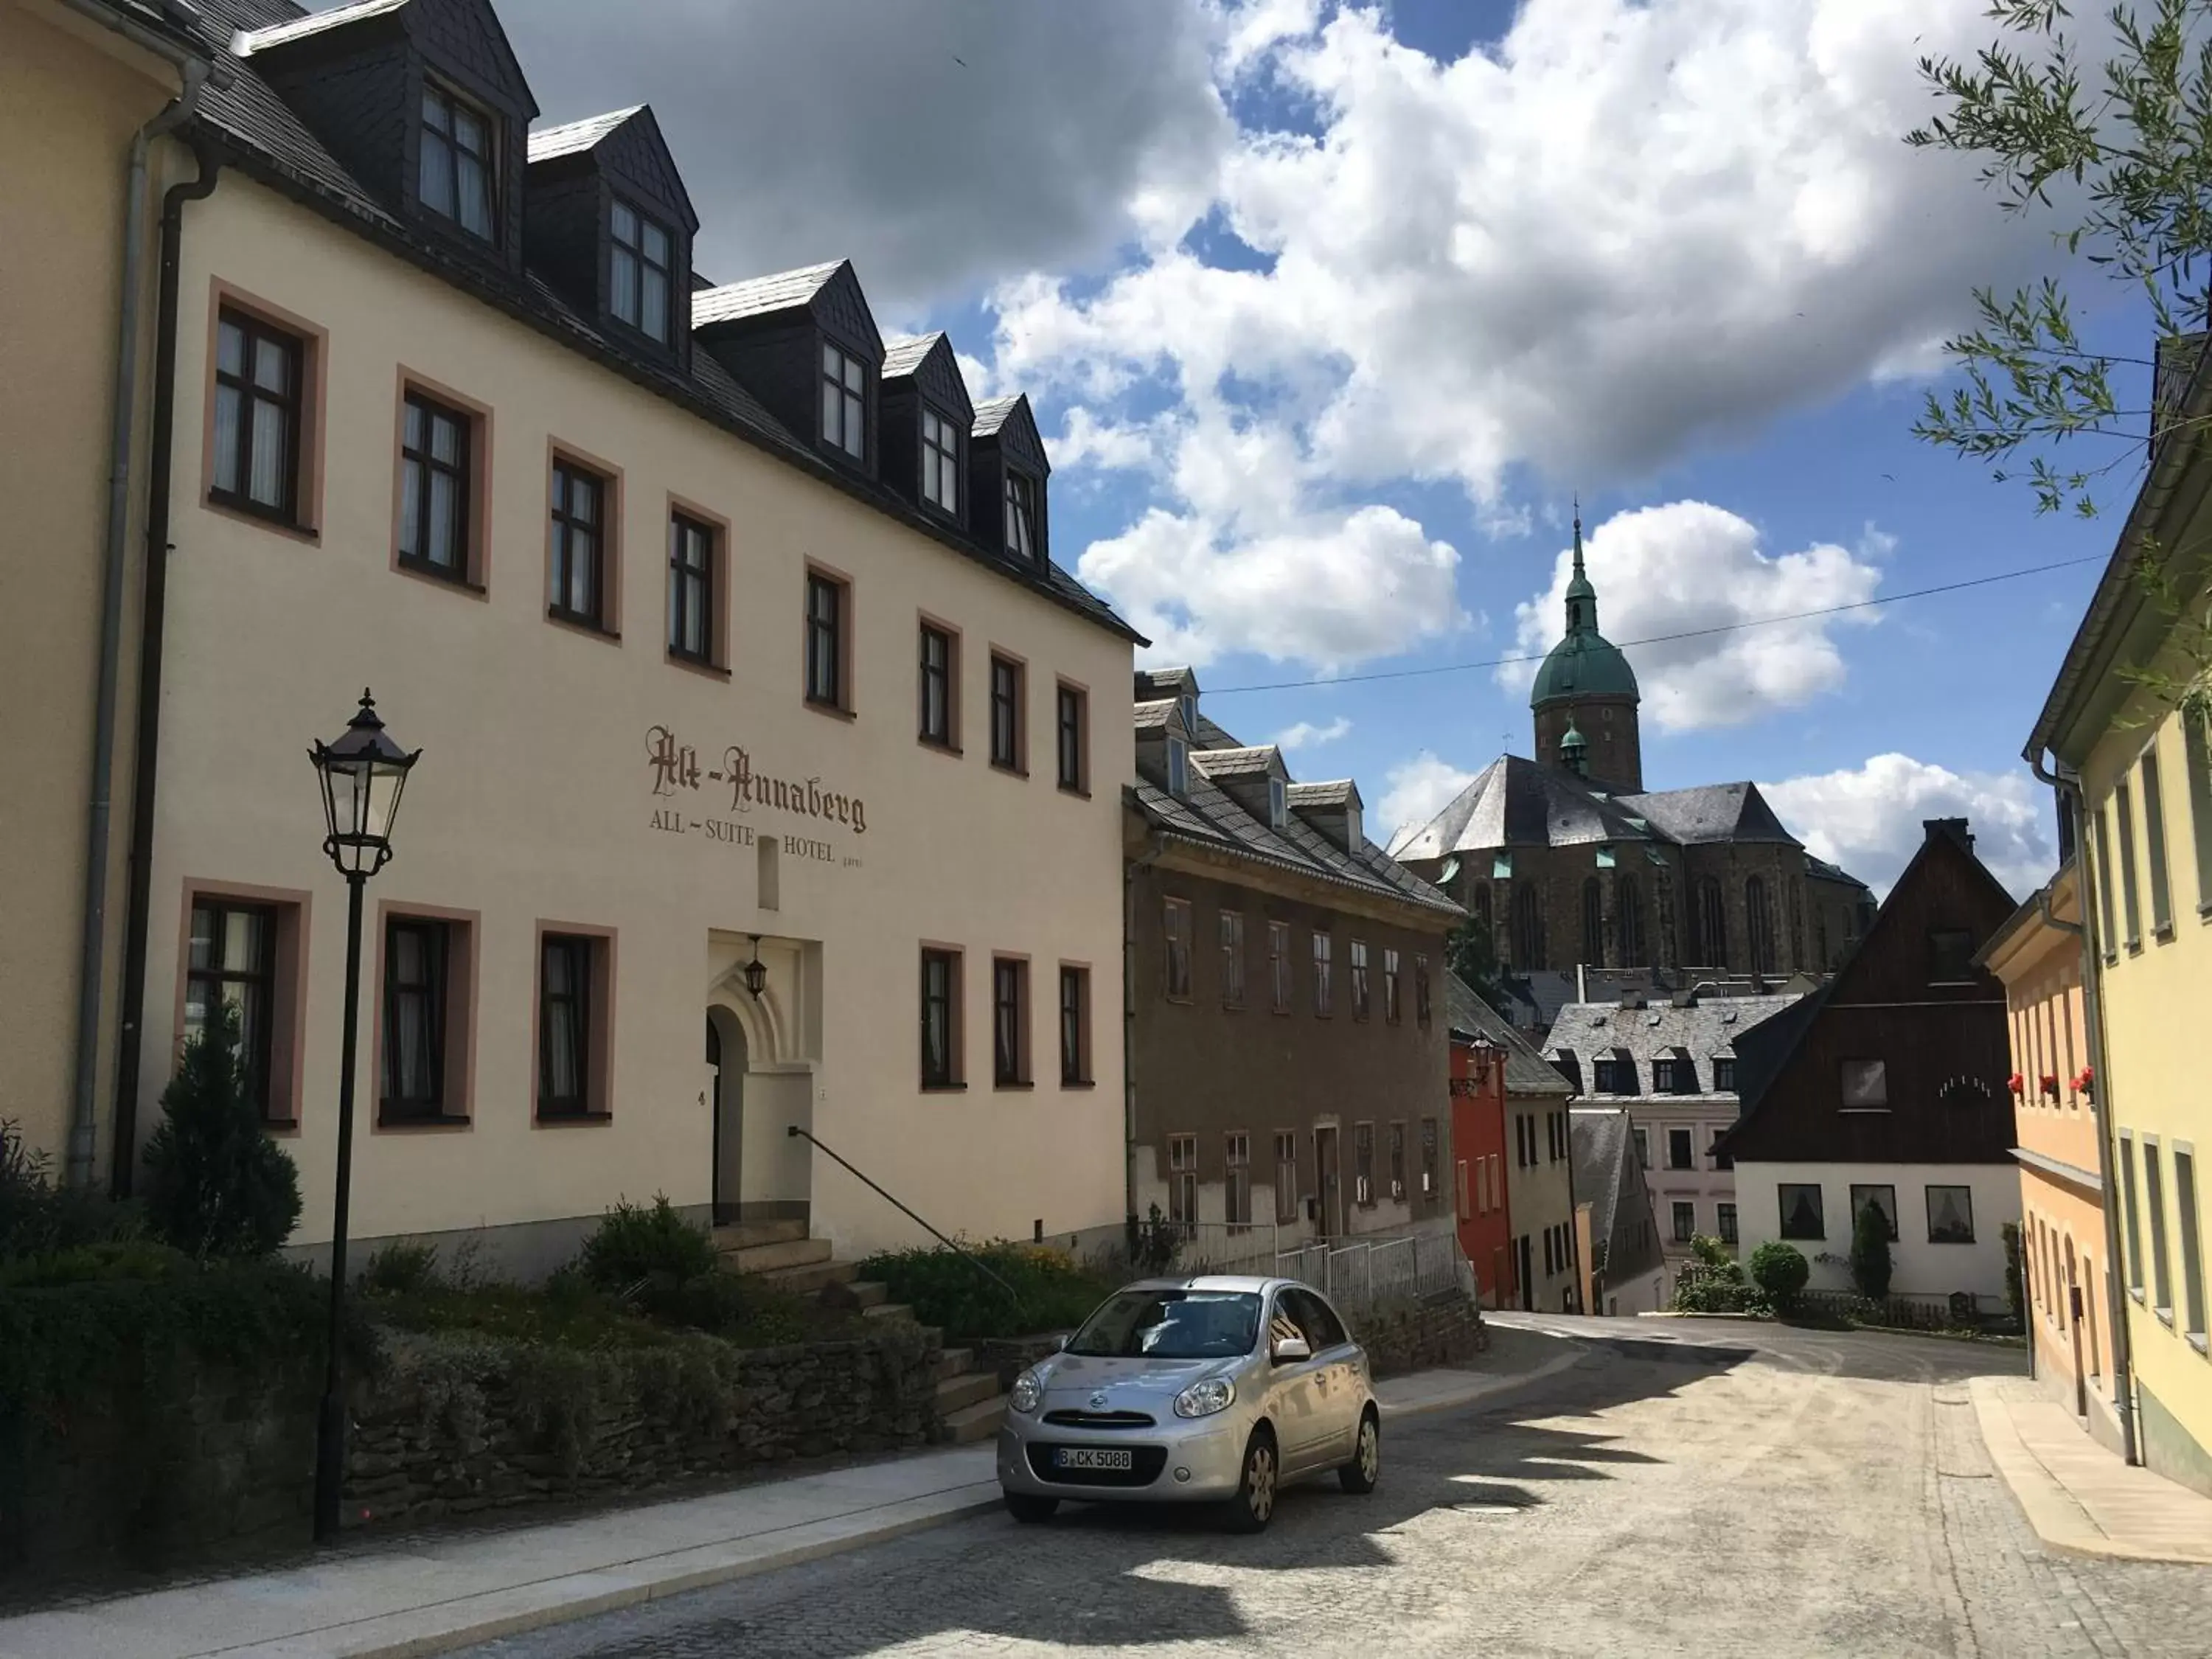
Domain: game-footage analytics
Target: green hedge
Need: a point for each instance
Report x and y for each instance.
(1044, 1289)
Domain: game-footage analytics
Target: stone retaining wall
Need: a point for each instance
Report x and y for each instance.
(457, 1426)
(1443, 1330)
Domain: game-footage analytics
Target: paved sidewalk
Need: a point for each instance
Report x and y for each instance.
(2077, 1495)
(433, 1595)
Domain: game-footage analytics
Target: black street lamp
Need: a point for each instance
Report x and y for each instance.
(362, 775)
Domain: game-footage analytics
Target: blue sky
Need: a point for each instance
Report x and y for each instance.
(1329, 313)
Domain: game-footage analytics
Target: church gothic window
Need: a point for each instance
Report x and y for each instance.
(1712, 925)
(1593, 923)
(1628, 921)
(1527, 929)
(1759, 922)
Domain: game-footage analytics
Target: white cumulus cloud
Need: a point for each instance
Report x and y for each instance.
(1689, 566)
(1306, 735)
(1870, 818)
(1623, 230)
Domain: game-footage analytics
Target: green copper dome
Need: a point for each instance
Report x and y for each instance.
(1584, 664)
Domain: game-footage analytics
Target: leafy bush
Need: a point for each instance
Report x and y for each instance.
(1780, 1270)
(399, 1267)
(736, 1307)
(217, 1185)
(36, 1217)
(1870, 1263)
(1044, 1290)
(632, 1243)
(1715, 1282)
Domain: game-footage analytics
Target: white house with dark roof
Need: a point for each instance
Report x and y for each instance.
(1668, 1062)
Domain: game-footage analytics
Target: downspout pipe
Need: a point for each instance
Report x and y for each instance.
(1154, 846)
(160, 466)
(2067, 785)
(92, 967)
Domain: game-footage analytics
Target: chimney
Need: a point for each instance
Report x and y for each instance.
(1956, 829)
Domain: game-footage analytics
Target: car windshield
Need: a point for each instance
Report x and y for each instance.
(1170, 1325)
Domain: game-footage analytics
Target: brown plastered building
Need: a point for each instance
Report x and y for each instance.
(1288, 1033)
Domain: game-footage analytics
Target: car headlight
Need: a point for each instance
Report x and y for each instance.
(1027, 1393)
(1203, 1399)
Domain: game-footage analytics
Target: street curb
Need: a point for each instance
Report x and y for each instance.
(1490, 1386)
(2056, 1516)
(359, 1641)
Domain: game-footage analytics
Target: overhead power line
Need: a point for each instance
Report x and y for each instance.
(1665, 638)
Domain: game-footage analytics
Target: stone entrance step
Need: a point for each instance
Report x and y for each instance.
(954, 1362)
(808, 1277)
(955, 1393)
(801, 1252)
(977, 1422)
(742, 1235)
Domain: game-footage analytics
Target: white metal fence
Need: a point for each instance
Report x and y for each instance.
(1357, 1273)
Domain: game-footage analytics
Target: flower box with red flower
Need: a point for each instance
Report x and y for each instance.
(2086, 1083)
(2050, 1085)
(2016, 1083)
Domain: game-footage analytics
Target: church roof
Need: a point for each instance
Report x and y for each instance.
(1584, 665)
(1710, 813)
(1518, 803)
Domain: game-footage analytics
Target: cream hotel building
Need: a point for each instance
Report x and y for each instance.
(728, 631)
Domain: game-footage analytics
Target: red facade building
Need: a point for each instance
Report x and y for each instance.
(1486, 1226)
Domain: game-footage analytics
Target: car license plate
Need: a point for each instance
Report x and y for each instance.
(1092, 1457)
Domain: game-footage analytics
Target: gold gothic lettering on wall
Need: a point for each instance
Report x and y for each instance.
(675, 766)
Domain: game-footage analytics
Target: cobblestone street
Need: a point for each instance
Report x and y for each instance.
(1793, 1492)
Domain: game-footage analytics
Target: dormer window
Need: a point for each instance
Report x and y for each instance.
(844, 402)
(1353, 839)
(455, 177)
(1178, 767)
(638, 285)
(1279, 811)
(1188, 706)
(940, 462)
(1021, 516)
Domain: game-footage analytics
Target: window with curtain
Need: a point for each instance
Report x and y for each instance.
(576, 580)
(415, 960)
(457, 165)
(259, 371)
(639, 268)
(564, 1025)
(435, 509)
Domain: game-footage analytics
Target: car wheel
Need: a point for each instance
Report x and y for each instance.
(1365, 1469)
(1029, 1510)
(1254, 1506)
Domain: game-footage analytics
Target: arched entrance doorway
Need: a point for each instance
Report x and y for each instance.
(727, 1058)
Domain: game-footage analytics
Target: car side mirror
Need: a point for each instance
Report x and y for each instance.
(1289, 1349)
(1059, 1342)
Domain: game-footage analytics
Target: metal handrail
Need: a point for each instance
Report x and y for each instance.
(973, 1260)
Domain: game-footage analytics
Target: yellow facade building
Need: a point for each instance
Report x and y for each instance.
(2136, 766)
(767, 833)
(80, 82)
(2066, 1266)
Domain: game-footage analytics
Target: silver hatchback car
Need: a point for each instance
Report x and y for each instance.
(1210, 1389)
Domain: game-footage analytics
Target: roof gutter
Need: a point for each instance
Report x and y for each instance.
(198, 73)
(2068, 785)
(168, 48)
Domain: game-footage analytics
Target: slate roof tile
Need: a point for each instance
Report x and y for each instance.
(547, 143)
(271, 141)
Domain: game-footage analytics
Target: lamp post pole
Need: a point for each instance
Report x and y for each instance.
(361, 774)
(330, 1424)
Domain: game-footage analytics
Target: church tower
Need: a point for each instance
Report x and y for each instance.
(1586, 690)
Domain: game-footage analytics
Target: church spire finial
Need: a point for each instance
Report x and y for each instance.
(1582, 598)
